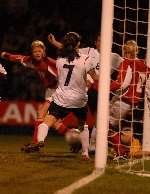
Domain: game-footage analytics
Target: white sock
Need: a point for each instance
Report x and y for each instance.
(42, 132)
(93, 135)
(84, 136)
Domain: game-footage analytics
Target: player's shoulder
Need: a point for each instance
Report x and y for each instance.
(141, 60)
(84, 57)
(87, 50)
(116, 56)
(60, 59)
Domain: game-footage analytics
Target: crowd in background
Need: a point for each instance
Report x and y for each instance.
(24, 21)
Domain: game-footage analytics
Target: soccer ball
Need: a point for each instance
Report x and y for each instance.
(72, 136)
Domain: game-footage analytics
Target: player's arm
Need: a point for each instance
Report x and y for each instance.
(54, 42)
(12, 57)
(93, 74)
(52, 66)
(122, 76)
(43, 109)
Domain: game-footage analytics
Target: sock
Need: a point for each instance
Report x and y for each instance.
(37, 123)
(118, 147)
(84, 136)
(93, 135)
(62, 129)
(42, 132)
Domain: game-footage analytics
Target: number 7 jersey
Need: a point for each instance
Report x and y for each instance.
(71, 91)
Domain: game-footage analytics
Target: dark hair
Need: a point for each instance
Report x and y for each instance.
(69, 43)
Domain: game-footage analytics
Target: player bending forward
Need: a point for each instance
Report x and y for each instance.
(70, 95)
(132, 75)
(133, 71)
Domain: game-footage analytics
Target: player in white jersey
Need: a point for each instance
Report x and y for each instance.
(94, 53)
(70, 95)
(92, 92)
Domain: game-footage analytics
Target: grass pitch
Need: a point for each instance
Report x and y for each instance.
(54, 168)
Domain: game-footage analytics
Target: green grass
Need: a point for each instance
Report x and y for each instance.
(54, 168)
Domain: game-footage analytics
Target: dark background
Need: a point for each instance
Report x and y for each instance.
(23, 21)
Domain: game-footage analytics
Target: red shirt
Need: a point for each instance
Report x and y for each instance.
(139, 75)
(46, 67)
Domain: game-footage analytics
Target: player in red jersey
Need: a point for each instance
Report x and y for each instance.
(134, 72)
(132, 75)
(46, 69)
(131, 78)
(45, 66)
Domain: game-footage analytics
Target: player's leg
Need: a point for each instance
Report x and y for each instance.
(118, 111)
(41, 113)
(42, 130)
(60, 125)
(92, 104)
(55, 112)
(63, 125)
(81, 114)
(92, 145)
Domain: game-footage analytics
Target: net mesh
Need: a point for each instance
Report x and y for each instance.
(125, 140)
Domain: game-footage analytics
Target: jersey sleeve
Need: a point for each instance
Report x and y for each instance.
(85, 51)
(52, 66)
(116, 61)
(122, 76)
(89, 65)
(15, 58)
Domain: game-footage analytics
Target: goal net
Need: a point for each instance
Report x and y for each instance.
(129, 139)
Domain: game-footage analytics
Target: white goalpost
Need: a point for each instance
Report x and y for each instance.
(146, 132)
(104, 84)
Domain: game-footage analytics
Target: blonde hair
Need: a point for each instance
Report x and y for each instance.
(131, 47)
(38, 43)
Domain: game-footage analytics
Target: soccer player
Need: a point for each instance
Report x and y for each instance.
(45, 66)
(70, 95)
(133, 71)
(46, 69)
(94, 53)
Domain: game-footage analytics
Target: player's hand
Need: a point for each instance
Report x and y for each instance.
(51, 38)
(3, 54)
(2, 70)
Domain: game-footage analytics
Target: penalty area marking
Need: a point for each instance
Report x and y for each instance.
(81, 182)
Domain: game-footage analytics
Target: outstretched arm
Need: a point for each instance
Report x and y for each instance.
(12, 57)
(53, 41)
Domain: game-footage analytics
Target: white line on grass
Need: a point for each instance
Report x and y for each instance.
(80, 183)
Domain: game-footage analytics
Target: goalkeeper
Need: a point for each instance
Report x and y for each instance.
(132, 74)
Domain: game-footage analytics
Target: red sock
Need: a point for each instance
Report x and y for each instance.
(118, 147)
(62, 129)
(37, 123)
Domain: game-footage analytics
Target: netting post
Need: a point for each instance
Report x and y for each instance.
(146, 128)
(104, 84)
